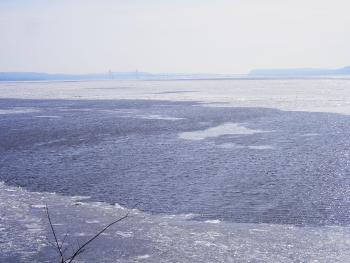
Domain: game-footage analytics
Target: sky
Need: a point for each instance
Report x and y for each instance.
(183, 36)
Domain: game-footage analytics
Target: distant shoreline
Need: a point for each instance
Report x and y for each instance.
(248, 78)
(258, 74)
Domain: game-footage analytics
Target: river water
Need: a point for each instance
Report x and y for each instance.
(221, 171)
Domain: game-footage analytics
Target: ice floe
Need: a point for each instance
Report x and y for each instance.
(223, 129)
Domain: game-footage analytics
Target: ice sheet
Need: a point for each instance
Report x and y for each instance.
(316, 95)
(154, 238)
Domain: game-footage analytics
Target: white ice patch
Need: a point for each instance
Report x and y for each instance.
(119, 206)
(214, 221)
(17, 110)
(310, 134)
(223, 129)
(260, 147)
(230, 145)
(157, 117)
(143, 256)
(48, 116)
(38, 206)
(92, 221)
(80, 197)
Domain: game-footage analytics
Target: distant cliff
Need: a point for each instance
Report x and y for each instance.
(299, 72)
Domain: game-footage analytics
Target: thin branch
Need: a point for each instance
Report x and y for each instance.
(54, 233)
(79, 250)
(52, 244)
(64, 239)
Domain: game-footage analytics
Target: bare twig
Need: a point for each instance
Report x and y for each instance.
(54, 234)
(64, 239)
(81, 248)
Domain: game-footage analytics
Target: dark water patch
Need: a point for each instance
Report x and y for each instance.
(94, 149)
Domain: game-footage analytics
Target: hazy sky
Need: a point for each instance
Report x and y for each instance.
(208, 36)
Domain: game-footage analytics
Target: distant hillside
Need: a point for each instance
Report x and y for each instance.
(136, 75)
(35, 76)
(298, 72)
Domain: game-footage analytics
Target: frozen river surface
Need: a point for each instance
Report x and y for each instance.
(222, 171)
